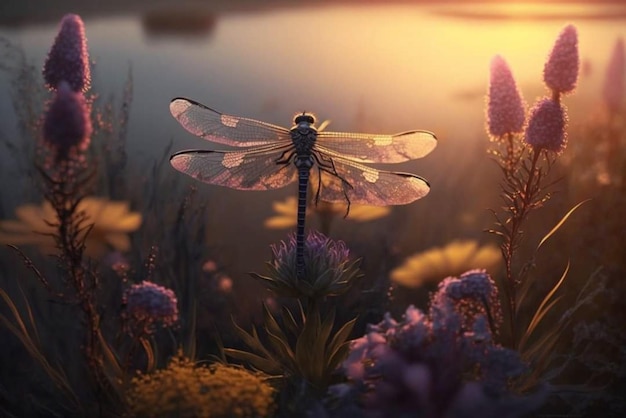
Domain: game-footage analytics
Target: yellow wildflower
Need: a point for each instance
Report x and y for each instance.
(112, 221)
(437, 263)
(185, 389)
(287, 210)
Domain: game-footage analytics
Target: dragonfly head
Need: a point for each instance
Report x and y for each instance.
(304, 118)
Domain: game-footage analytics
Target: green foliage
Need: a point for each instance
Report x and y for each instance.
(300, 350)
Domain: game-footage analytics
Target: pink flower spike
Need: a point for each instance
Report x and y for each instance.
(613, 88)
(546, 126)
(505, 109)
(68, 59)
(561, 70)
(67, 122)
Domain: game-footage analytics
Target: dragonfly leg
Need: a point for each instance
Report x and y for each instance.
(285, 158)
(319, 185)
(326, 164)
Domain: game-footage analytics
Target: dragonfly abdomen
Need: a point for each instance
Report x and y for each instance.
(304, 164)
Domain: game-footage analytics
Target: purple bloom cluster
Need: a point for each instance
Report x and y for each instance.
(505, 110)
(432, 365)
(547, 121)
(67, 122)
(68, 59)
(546, 126)
(473, 295)
(148, 304)
(561, 70)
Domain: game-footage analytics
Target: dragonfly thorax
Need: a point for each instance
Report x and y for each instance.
(303, 136)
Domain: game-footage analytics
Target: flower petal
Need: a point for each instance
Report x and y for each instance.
(117, 240)
(363, 213)
(280, 222)
(36, 216)
(111, 211)
(15, 226)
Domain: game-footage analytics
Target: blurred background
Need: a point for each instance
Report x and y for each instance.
(366, 66)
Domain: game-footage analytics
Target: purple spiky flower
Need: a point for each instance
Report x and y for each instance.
(67, 123)
(328, 268)
(613, 88)
(561, 70)
(546, 126)
(505, 108)
(68, 59)
(148, 304)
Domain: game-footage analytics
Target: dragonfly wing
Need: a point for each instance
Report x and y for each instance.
(364, 185)
(372, 148)
(217, 127)
(255, 169)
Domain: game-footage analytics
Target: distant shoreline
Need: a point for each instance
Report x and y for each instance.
(24, 13)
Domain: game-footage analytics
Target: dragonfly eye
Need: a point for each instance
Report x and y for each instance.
(304, 117)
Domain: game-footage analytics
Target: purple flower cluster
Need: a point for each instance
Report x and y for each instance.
(473, 295)
(561, 70)
(546, 126)
(67, 122)
(148, 304)
(432, 365)
(68, 59)
(505, 110)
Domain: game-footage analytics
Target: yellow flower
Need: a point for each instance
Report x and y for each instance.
(437, 263)
(186, 389)
(287, 210)
(112, 221)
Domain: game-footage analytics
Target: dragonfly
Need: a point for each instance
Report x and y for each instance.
(271, 157)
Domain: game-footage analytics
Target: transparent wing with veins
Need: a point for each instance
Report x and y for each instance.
(374, 148)
(344, 180)
(235, 131)
(261, 168)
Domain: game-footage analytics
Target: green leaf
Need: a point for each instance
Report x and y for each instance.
(338, 341)
(282, 348)
(147, 347)
(21, 332)
(190, 347)
(560, 223)
(326, 328)
(251, 340)
(290, 321)
(271, 324)
(544, 307)
(269, 366)
(539, 355)
(306, 347)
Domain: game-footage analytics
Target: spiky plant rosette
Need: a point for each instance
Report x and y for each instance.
(328, 268)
